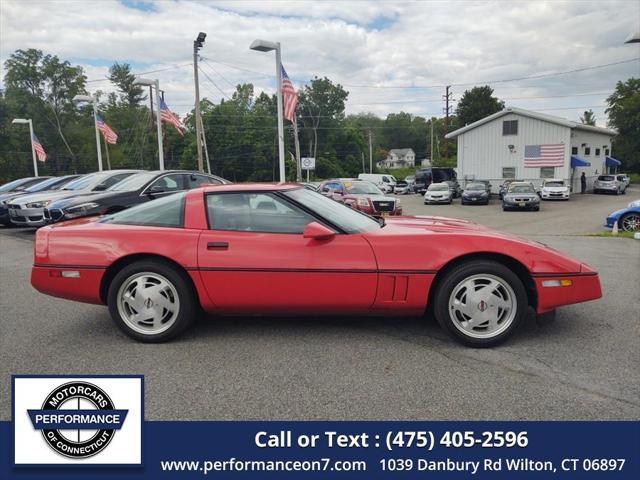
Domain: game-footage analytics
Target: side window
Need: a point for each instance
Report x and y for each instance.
(169, 183)
(510, 127)
(547, 172)
(255, 212)
(200, 180)
(508, 172)
(574, 150)
(385, 179)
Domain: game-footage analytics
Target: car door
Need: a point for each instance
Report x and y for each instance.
(254, 258)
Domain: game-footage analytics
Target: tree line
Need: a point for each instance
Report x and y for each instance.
(241, 129)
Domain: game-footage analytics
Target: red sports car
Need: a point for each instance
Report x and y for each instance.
(283, 249)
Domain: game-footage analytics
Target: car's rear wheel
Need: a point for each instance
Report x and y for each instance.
(480, 303)
(151, 301)
(630, 222)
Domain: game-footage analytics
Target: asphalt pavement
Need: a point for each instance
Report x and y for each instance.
(585, 365)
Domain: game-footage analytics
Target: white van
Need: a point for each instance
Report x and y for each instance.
(383, 181)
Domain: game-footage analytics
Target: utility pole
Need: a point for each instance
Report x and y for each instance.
(431, 141)
(447, 110)
(362, 155)
(197, 44)
(370, 154)
(206, 149)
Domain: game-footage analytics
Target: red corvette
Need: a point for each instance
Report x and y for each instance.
(283, 249)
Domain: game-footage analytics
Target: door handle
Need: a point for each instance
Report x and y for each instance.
(217, 245)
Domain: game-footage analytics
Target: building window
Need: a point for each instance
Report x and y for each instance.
(510, 127)
(547, 172)
(597, 152)
(587, 150)
(606, 152)
(508, 172)
(574, 150)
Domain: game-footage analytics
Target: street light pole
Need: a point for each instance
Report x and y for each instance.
(33, 149)
(93, 100)
(266, 46)
(197, 44)
(155, 83)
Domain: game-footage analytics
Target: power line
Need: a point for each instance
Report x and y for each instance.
(143, 73)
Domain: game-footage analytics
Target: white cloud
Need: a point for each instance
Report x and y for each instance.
(352, 42)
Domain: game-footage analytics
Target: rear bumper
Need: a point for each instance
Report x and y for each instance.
(585, 286)
(85, 287)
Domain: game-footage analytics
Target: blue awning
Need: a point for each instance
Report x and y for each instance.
(578, 162)
(612, 162)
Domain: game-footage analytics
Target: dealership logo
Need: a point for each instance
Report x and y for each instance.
(78, 419)
(72, 420)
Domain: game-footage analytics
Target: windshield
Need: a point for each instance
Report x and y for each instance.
(605, 178)
(362, 188)
(521, 189)
(475, 187)
(7, 187)
(438, 187)
(410, 178)
(134, 182)
(554, 184)
(348, 219)
(49, 184)
(83, 182)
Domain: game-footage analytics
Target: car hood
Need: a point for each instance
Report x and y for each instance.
(376, 198)
(474, 193)
(84, 198)
(555, 189)
(48, 196)
(438, 192)
(5, 197)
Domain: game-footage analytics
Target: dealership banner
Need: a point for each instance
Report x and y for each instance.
(93, 427)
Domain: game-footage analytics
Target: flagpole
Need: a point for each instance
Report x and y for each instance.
(95, 125)
(283, 178)
(33, 149)
(296, 142)
(106, 150)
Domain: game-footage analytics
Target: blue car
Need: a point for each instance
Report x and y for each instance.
(628, 219)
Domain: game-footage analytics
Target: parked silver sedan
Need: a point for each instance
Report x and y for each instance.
(438, 193)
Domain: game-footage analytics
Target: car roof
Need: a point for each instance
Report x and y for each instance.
(252, 187)
(553, 180)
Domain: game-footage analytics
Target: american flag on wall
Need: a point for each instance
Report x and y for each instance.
(289, 97)
(551, 155)
(42, 156)
(110, 136)
(168, 116)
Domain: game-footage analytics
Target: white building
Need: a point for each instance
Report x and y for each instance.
(399, 158)
(496, 148)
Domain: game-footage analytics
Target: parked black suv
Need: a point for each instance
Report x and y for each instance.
(427, 176)
(138, 188)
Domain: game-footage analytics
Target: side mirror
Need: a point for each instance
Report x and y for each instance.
(317, 231)
(101, 187)
(155, 189)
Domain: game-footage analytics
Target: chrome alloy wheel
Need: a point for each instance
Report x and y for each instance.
(482, 306)
(148, 303)
(631, 223)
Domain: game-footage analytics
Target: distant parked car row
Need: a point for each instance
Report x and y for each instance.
(37, 201)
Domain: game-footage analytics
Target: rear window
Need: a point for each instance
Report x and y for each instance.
(606, 178)
(163, 212)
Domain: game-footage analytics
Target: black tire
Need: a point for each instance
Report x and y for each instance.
(188, 308)
(466, 270)
(536, 209)
(626, 217)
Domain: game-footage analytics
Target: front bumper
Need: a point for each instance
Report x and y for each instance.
(437, 200)
(522, 204)
(475, 199)
(555, 196)
(27, 217)
(585, 286)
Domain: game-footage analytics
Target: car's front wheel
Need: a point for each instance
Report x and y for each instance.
(480, 303)
(151, 301)
(630, 222)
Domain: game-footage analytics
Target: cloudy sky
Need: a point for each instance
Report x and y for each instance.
(390, 55)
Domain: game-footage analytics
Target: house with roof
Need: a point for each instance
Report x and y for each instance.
(522, 144)
(399, 158)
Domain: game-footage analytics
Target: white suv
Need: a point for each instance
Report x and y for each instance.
(608, 183)
(554, 189)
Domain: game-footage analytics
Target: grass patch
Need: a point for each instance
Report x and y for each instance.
(609, 234)
(635, 177)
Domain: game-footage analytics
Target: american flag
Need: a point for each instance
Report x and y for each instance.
(42, 156)
(289, 97)
(109, 135)
(168, 116)
(544, 155)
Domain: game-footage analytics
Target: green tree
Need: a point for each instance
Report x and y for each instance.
(121, 76)
(588, 118)
(477, 103)
(624, 116)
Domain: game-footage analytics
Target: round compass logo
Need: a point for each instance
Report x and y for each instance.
(79, 420)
